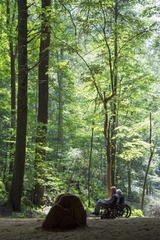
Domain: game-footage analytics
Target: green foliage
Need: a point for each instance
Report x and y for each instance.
(31, 213)
(82, 56)
(3, 193)
(152, 205)
(137, 213)
(2, 190)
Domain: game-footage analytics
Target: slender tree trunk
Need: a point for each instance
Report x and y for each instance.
(90, 165)
(19, 163)
(114, 103)
(13, 107)
(60, 108)
(60, 79)
(90, 159)
(110, 122)
(129, 180)
(149, 163)
(40, 156)
(108, 148)
(13, 53)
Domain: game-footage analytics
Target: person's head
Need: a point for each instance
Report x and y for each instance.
(119, 192)
(113, 189)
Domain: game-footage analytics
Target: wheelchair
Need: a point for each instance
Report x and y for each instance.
(111, 211)
(126, 210)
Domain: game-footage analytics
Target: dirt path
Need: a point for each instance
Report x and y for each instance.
(97, 229)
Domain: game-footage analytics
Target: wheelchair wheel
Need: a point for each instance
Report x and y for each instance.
(112, 211)
(109, 213)
(126, 211)
(119, 210)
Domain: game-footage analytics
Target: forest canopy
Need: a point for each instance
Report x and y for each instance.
(79, 105)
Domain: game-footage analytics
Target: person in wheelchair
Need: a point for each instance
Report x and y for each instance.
(114, 209)
(120, 197)
(127, 211)
(101, 203)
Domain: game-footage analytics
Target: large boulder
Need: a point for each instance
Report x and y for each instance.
(67, 212)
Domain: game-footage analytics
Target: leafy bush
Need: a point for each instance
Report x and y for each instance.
(137, 213)
(3, 193)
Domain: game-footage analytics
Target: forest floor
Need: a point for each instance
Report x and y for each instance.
(96, 229)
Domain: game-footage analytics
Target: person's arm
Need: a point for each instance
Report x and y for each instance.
(109, 200)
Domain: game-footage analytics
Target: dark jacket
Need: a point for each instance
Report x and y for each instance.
(120, 199)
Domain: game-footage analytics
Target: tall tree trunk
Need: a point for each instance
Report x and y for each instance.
(19, 163)
(108, 147)
(60, 107)
(40, 155)
(13, 107)
(90, 158)
(13, 53)
(129, 179)
(149, 163)
(110, 120)
(114, 103)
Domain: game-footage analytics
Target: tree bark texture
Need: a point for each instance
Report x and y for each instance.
(42, 104)
(19, 163)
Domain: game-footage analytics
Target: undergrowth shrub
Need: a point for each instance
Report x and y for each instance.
(137, 213)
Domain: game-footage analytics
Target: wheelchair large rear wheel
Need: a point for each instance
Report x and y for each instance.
(126, 211)
(119, 210)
